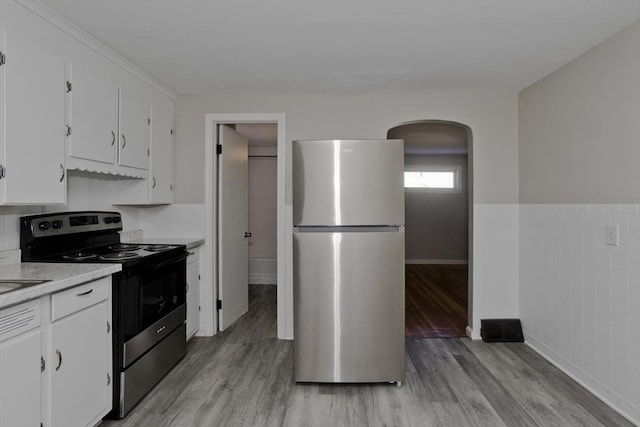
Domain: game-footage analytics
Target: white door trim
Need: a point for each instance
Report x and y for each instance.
(209, 321)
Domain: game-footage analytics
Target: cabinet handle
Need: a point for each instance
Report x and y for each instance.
(81, 294)
(113, 137)
(108, 327)
(191, 253)
(161, 329)
(61, 172)
(68, 130)
(59, 353)
(2, 172)
(124, 140)
(154, 182)
(187, 289)
(3, 58)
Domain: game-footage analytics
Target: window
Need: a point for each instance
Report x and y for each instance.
(433, 178)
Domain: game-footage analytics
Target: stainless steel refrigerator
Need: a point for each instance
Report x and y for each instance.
(348, 255)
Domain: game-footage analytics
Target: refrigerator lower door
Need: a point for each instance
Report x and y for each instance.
(349, 306)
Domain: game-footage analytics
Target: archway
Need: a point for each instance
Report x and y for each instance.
(439, 218)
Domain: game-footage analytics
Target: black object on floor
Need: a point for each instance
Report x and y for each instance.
(501, 330)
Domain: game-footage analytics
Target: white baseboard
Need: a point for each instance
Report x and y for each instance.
(263, 271)
(539, 348)
(263, 279)
(436, 261)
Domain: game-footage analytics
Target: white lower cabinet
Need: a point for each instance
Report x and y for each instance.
(193, 292)
(20, 365)
(55, 358)
(80, 368)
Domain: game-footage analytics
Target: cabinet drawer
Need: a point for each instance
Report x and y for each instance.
(75, 299)
(19, 318)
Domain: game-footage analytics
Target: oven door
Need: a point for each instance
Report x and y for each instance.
(149, 305)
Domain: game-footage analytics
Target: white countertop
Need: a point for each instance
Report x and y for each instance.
(62, 276)
(190, 243)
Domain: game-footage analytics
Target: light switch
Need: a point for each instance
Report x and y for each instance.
(611, 235)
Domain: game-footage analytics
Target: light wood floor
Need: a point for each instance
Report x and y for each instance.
(436, 300)
(244, 377)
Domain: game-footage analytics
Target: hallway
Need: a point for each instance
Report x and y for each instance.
(436, 300)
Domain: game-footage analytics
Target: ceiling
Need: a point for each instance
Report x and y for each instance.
(348, 46)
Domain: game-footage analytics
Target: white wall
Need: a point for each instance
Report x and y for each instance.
(491, 115)
(580, 299)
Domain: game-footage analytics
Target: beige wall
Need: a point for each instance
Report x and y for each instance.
(580, 128)
(262, 207)
(436, 224)
(491, 115)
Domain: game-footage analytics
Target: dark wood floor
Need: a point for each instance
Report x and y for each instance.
(436, 300)
(244, 377)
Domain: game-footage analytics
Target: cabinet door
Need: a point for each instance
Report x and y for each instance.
(133, 150)
(161, 177)
(79, 389)
(93, 116)
(20, 380)
(33, 85)
(193, 292)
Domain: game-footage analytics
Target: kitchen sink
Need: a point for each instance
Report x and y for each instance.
(8, 285)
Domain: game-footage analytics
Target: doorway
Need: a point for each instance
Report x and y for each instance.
(247, 123)
(438, 218)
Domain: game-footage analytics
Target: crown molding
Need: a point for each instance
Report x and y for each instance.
(68, 27)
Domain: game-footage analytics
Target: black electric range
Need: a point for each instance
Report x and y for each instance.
(149, 294)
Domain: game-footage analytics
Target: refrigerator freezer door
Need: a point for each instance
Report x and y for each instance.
(349, 306)
(348, 182)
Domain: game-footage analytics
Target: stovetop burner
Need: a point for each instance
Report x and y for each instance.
(119, 256)
(79, 256)
(123, 247)
(156, 248)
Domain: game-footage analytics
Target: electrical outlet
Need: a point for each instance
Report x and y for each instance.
(611, 235)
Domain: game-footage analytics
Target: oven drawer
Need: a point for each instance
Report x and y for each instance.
(75, 299)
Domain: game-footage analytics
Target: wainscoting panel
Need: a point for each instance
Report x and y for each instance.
(580, 298)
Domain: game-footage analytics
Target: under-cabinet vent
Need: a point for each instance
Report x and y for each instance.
(19, 319)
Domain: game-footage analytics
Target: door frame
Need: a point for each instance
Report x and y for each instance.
(209, 292)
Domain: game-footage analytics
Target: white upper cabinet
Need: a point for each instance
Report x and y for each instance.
(93, 117)
(161, 177)
(32, 123)
(158, 189)
(109, 126)
(135, 122)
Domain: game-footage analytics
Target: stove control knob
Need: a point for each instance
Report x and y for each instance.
(44, 225)
(108, 220)
(57, 224)
(116, 219)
